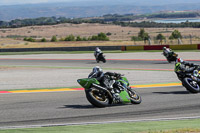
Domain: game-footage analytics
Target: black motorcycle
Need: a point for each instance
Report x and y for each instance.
(188, 82)
(170, 56)
(101, 57)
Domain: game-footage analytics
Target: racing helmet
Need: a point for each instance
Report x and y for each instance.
(164, 48)
(179, 60)
(97, 69)
(96, 72)
(97, 48)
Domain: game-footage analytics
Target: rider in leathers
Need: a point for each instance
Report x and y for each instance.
(181, 68)
(167, 51)
(105, 79)
(97, 52)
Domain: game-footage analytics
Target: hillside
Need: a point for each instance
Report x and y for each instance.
(76, 10)
(13, 37)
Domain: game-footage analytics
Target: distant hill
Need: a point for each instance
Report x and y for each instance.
(92, 9)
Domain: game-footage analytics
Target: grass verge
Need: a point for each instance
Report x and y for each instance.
(178, 126)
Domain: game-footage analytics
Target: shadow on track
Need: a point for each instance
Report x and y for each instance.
(173, 92)
(163, 63)
(91, 63)
(89, 106)
(77, 106)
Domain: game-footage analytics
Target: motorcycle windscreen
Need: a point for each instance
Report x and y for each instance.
(86, 82)
(124, 96)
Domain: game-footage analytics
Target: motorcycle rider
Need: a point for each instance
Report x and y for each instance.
(107, 80)
(97, 52)
(182, 67)
(167, 51)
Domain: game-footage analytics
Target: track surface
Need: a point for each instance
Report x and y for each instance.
(72, 107)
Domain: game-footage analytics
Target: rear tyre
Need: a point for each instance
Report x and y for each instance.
(191, 85)
(135, 97)
(104, 60)
(97, 98)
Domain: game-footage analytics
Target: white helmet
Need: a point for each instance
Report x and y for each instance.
(164, 48)
(97, 69)
(96, 72)
(97, 48)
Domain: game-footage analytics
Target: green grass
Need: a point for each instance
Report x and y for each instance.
(130, 127)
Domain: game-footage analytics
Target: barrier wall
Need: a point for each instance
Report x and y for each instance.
(155, 47)
(184, 47)
(160, 47)
(134, 48)
(92, 48)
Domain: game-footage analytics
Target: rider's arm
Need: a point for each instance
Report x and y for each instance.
(186, 63)
(113, 74)
(187, 69)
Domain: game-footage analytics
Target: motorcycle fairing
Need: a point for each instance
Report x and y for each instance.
(124, 97)
(86, 82)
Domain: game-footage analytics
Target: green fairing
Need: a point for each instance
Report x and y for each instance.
(124, 97)
(86, 82)
(124, 80)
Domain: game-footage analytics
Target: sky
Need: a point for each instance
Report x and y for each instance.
(14, 2)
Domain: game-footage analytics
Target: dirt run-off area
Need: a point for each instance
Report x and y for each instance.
(13, 37)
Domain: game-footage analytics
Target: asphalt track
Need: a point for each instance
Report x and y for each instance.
(68, 107)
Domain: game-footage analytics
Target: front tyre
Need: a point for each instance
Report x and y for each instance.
(97, 98)
(134, 96)
(191, 85)
(104, 60)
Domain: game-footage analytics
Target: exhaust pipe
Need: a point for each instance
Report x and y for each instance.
(102, 88)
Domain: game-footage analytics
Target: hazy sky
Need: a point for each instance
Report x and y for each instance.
(13, 2)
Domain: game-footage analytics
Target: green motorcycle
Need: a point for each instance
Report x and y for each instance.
(100, 96)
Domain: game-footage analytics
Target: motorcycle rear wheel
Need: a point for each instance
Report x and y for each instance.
(135, 97)
(191, 85)
(97, 98)
(104, 60)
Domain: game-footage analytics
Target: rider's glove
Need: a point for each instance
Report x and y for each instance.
(118, 75)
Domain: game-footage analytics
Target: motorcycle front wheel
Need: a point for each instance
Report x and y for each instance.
(97, 98)
(135, 97)
(191, 85)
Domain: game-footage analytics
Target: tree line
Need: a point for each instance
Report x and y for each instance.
(144, 36)
(123, 20)
(147, 24)
(100, 37)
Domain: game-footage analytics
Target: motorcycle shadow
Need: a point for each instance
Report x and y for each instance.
(77, 106)
(163, 62)
(173, 92)
(89, 106)
(91, 62)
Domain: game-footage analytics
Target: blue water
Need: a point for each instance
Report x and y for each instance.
(176, 20)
